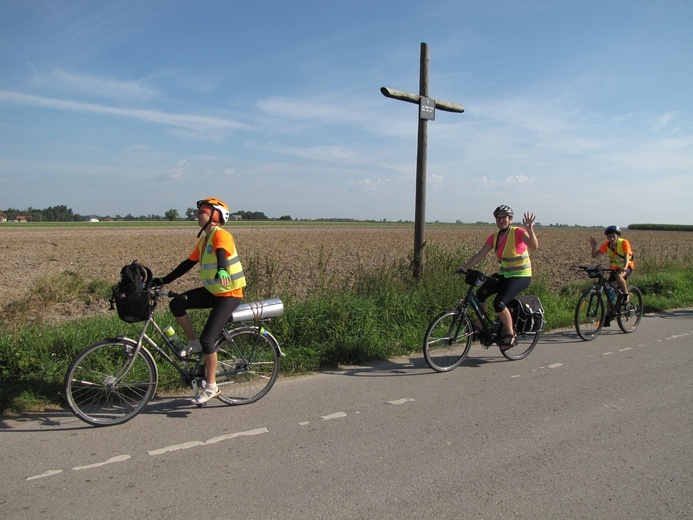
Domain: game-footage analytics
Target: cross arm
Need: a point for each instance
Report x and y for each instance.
(446, 106)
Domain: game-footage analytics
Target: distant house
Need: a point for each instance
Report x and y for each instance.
(3, 217)
(236, 217)
(91, 219)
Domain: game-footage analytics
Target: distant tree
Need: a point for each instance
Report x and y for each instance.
(285, 217)
(171, 214)
(190, 213)
(252, 215)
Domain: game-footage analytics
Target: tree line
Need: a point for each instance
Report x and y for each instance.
(64, 214)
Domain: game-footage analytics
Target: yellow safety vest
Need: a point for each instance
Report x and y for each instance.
(618, 257)
(513, 265)
(208, 268)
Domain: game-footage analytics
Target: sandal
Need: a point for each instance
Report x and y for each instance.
(508, 341)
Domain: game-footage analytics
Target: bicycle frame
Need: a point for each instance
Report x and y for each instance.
(489, 329)
(599, 287)
(143, 337)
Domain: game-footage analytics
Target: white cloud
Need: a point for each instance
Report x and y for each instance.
(187, 124)
(79, 83)
(371, 184)
(518, 179)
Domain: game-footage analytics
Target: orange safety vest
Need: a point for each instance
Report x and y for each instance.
(513, 264)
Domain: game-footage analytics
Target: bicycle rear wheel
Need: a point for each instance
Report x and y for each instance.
(101, 390)
(447, 341)
(247, 365)
(630, 313)
(589, 316)
(524, 345)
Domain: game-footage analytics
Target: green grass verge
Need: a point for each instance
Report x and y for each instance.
(379, 315)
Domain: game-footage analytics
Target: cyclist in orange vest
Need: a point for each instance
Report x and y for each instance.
(620, 256)
(511, 245)
(222, 287)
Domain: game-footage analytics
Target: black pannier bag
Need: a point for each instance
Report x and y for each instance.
(528, 314)
(131, 295)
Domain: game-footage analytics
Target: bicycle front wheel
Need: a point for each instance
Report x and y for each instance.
(589, 316)
(447, 341)
(103, 389)
(630, 312)
(247, 365)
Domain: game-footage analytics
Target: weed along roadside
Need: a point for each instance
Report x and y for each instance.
(339, 309)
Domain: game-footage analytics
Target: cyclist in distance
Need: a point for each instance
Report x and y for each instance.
(222, 287)
(620, 256)
(511, 245)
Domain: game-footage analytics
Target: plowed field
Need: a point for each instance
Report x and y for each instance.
(294, 255)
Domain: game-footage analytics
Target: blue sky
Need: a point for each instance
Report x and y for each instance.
(580, 112)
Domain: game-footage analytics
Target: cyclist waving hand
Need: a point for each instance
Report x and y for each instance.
(511, 245)
(620, 255)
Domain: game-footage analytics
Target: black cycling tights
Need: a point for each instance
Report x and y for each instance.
(201, 298)
(507, 289)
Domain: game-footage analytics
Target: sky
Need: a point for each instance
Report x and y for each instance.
(579, 112)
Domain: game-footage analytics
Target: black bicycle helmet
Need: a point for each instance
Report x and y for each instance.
(503, 210)
(613, 229)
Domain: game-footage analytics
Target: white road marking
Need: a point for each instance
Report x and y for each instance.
(336, 415)
(48, 473)
(304, 423)
(119, 458)
(624, 349)
(176, 447)
(556, 365)
(607, 353)
(247, 433)
(402, 401)
(213, 440)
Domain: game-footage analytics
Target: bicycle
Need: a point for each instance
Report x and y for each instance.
(591, 311)
(450, 334)
(110, 381)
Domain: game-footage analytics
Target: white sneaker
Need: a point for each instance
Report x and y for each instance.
(207, 393)
(194, 346)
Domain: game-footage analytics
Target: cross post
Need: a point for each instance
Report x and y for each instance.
(427, 108)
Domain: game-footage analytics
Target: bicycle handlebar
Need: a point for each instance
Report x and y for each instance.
(476, 276)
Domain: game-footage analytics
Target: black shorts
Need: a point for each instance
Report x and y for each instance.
(222, 309)
(506, 289)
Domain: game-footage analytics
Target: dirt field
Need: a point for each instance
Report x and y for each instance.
(292, 253)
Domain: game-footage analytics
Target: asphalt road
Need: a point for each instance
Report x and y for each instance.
(600, 429)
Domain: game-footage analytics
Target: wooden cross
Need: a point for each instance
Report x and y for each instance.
(427, 108)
